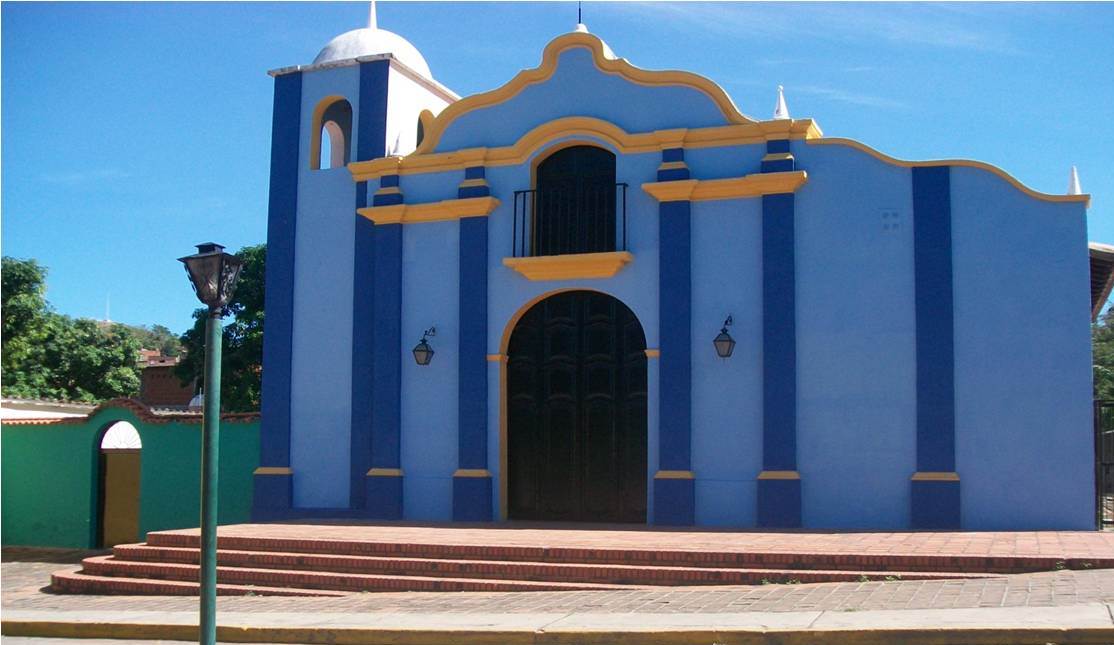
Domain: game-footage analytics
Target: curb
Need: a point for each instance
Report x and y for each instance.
(373, 636)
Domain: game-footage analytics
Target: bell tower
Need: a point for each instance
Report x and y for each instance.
(360, 99)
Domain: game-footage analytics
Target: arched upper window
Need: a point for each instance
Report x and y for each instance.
(121, 436)
(574, 203)
(332, 134)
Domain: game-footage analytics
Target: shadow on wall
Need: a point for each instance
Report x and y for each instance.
(112, 476)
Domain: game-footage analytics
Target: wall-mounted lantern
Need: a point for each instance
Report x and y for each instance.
(423, 353)
(724, 343)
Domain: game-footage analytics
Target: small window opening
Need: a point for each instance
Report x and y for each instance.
(334, 138)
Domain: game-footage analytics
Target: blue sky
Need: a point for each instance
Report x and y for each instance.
(131, 132)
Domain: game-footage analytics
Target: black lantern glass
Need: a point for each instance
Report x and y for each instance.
(423, 353)
(724, 343)
(213, 274)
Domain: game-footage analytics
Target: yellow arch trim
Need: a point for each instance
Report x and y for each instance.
(315, 129)
(970, 163)
(603, 61)
(582, 126)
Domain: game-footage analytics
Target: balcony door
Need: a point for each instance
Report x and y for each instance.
(574, 208)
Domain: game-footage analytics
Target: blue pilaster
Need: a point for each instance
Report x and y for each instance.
(934, 495)
(273, 485)
(779, 484)
(674, 487)
(371, 136)
(384, 480)
(472, 481)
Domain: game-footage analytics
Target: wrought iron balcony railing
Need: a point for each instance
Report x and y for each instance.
(584, 219)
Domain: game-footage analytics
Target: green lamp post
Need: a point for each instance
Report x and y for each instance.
(213, 274)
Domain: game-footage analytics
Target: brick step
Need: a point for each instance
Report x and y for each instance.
(640, 557)
(75, 582)
(336, 581)
(512, 570)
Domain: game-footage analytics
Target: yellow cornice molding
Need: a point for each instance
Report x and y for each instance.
(935, 476)
(441, 211)
(653, 353)
(624, 142)
(570, 267)
(753, 185)
(970, 163)
(472, 472)
(273, 470)
(385, 472)
(779, 474)
(603, 61)
(674, 474)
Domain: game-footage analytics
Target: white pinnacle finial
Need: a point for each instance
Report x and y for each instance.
(371, 21)
(581, 27)
(782, 110)
(1073, 183)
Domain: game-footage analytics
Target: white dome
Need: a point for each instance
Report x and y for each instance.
(369, 42)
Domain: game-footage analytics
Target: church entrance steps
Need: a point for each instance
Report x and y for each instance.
(84, 583)
(623, 574)
(262, 579)
(317, 559)
(635, 556)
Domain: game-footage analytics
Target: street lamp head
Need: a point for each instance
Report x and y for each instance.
(423, 353)
(213, 274)
(724, 343)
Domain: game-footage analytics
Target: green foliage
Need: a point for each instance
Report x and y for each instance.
(1102, 349)
(160, 338)
(23, 295)
(242, 353)
(51, 356)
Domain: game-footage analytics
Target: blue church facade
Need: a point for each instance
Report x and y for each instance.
(911, 339)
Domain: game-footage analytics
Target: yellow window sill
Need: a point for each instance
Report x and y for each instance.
(570, 267)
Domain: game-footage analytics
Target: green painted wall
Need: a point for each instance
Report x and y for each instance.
(49, 477)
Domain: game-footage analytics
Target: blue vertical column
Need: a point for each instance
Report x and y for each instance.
(779, 483)
(273, 480)
(935, 486)
(472, 480)
(377, 298)
(674, 483)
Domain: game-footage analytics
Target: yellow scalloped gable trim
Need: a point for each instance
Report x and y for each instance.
(543, 135)
(618, 66)
(970, 163)
(441, 211)
(570, 267)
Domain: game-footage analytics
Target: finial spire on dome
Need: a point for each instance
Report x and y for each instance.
(372, 23)
(781, 111)
(1073, 183)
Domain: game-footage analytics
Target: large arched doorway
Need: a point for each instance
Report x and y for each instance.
(576, 406)
(118, 485)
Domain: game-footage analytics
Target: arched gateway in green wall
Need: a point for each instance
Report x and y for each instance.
(52, 473)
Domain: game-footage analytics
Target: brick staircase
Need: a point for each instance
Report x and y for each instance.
(262, 563)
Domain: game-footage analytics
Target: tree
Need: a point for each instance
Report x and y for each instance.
(160, 338)
(48, 355)
(24, 297)
(242, 354)
(1102, 350)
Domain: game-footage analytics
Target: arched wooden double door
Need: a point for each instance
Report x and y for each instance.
(576, 397)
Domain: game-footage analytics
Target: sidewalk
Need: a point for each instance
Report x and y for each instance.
(1089, 623)
(1053, 607)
